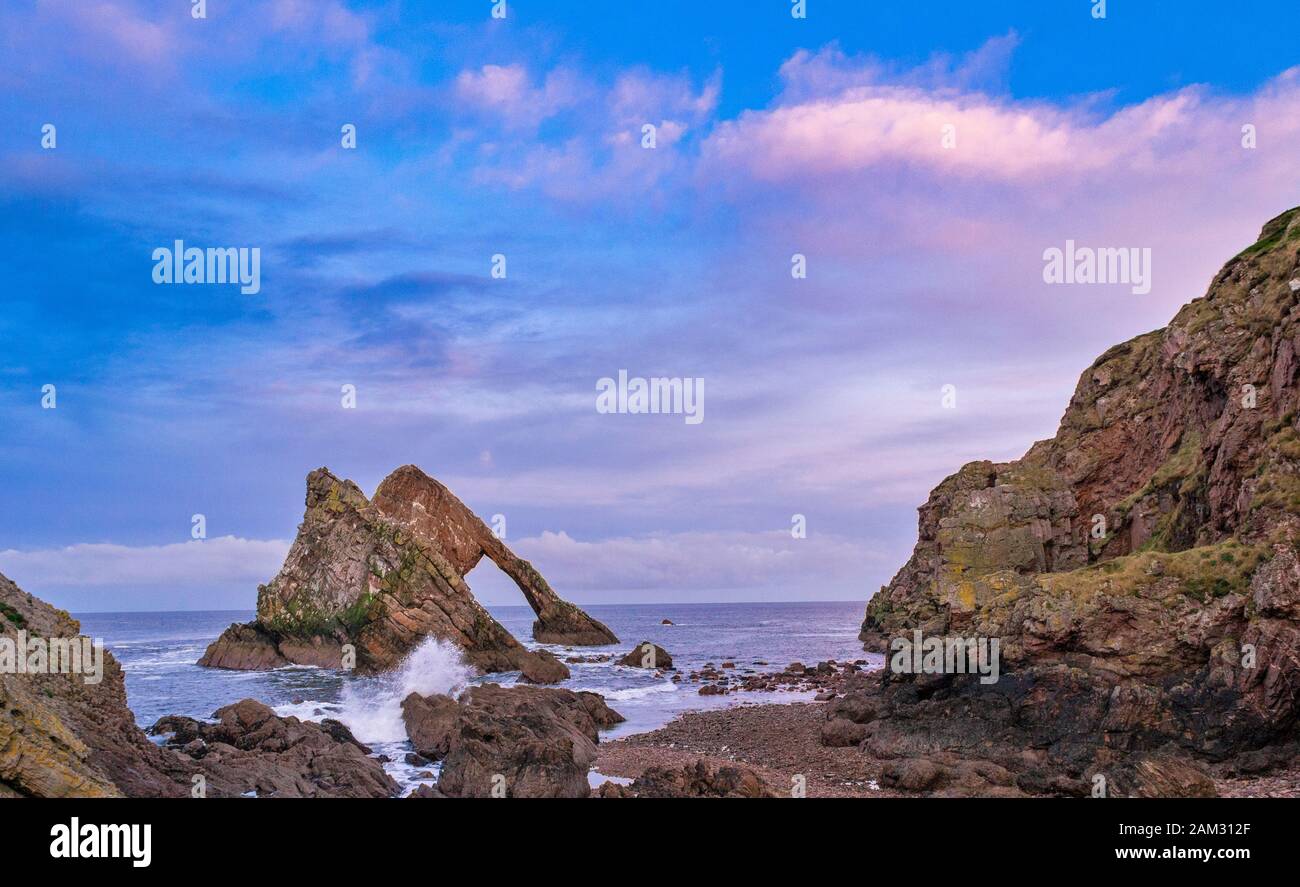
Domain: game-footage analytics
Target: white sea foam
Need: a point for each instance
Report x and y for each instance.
(638, 692)
(372, 707)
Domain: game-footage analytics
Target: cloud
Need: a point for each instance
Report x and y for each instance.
(830, 70)
(845, 123)
(506, 92)
(227, 559)
(697, 560)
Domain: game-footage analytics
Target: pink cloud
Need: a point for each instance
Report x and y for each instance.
(507, 92)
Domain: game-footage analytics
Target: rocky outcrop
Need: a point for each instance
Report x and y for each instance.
(62, 735)
(521, 742)
(69, 735)
(430, 722)
(427, 508)
(698, 780)
(251, 751)
(1139, 569)
(647, 655)
(375, 578)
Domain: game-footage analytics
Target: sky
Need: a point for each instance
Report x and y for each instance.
(920, 160)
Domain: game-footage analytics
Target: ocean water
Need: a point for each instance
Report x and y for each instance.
(158, 652)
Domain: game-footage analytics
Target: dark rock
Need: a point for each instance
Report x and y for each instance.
(842, 733)
(251, 749)
(430, 722)
(698, 780)
(540, 667)
(426, 791)
(647, 655)
(523, 742)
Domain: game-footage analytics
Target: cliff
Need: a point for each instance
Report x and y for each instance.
(1139, 568)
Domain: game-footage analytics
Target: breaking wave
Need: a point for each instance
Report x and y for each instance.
(372, 706)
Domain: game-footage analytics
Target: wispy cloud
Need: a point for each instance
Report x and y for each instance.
(226, 559)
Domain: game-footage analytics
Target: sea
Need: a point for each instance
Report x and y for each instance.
(158, 652)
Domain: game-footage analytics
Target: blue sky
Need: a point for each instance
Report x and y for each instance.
(521, 137)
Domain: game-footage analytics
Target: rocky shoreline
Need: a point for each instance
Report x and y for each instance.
(781, 742)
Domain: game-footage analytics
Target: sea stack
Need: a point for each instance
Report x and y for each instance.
(378, 577)
(1139, 569)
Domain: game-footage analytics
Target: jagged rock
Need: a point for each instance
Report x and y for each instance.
(527, 742)
(1139, 569)
(380, 576)
(842, 733)
(430, 722)
(244, 647)
(598, 710)
(252, 749)
(1163, 774)
(426, 507)
(698, 780)
(948, 778)
(647, 655)
(63, 737)
(543, 668)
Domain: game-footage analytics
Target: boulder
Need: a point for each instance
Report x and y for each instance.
(250, 749)
(647, 655)
(543, 668)
(698, 780)
(842, 733)
(523, 742)
(1162, 774)
(600, 713)
(430, 722)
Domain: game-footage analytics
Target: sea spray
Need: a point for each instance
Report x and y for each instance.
(372, 706)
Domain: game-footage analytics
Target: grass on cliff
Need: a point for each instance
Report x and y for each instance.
(12, 615)
(1182, 477)
(1277, 483)
(1205, 573)
(1273, 235)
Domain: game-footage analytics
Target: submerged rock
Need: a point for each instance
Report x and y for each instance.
(1138, 570)
(371, 580)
